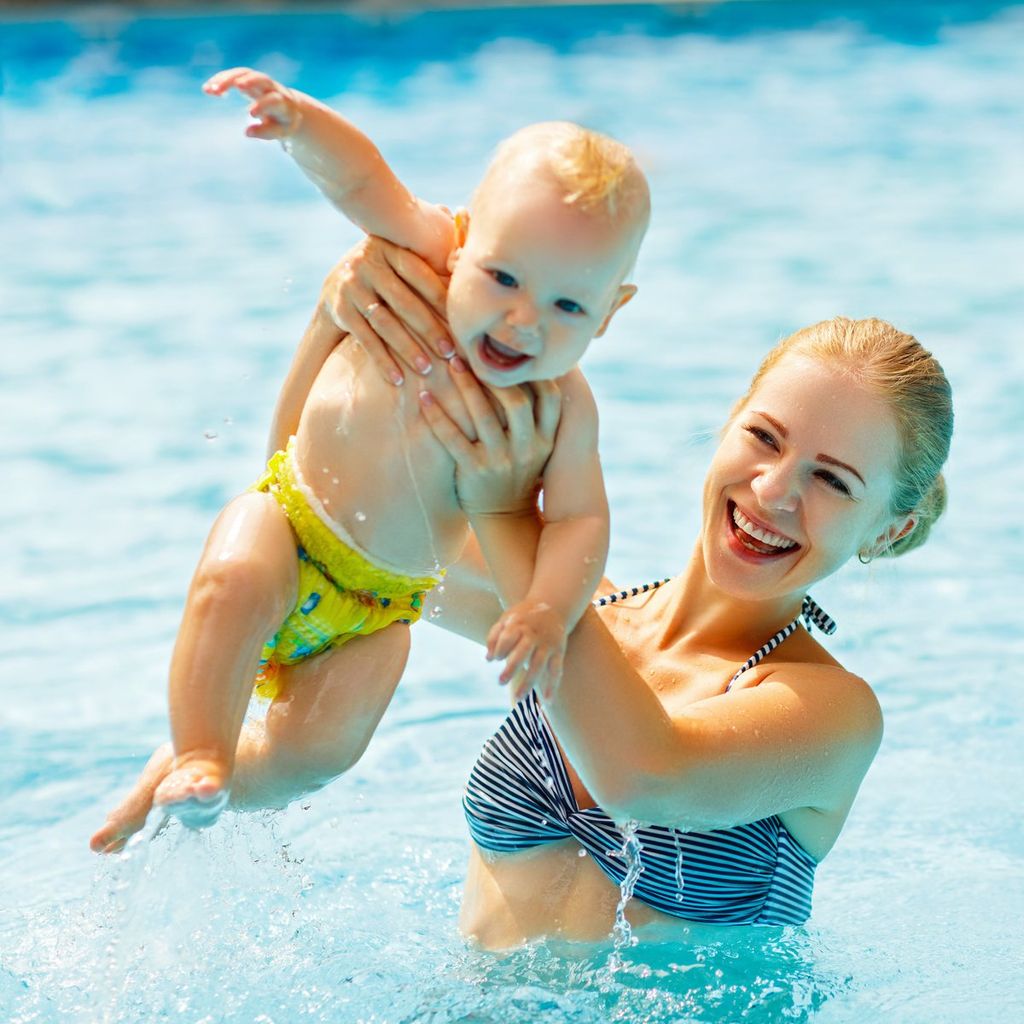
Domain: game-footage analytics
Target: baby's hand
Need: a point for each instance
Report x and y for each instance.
(531, 637)
(275, 107)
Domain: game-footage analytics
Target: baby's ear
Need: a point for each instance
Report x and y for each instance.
(626, 292)
(461, 231)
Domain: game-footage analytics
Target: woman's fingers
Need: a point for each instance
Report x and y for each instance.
(517, 408)
(421, 278)
(390, 331)
(547, 407)
(446, 431)
(485, 421)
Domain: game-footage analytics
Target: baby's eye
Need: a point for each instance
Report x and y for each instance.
(762, 435)
(569, 306)
(833, 481)
(504, 279)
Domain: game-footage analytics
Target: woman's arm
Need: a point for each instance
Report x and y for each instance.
(802, 738)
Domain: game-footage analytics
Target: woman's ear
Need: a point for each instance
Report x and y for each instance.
(885, 540)
(626, 292)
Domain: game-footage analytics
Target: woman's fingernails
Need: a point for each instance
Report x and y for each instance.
(423, 364)
(426, 398)
(458, 364)
(446, 348)
(396, 377)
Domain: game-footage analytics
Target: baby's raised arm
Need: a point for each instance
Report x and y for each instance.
(343, 163)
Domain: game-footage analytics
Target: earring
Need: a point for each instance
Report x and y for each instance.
(864, 559)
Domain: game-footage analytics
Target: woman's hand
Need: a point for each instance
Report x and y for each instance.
(390, 301)
(498, 471)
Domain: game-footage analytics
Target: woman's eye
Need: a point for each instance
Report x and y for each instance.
(505, 280)
(569, 306)
(833, 481)
(762, 435)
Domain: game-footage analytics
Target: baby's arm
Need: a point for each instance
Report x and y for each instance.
(321, 337)
(343, 163)
(571, 551)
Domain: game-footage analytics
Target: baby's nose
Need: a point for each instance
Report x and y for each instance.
(523, 315)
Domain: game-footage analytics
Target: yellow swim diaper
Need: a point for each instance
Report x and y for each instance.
(342, 594)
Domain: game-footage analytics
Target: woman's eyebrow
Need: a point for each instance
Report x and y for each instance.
(844, 465)
(820, 456)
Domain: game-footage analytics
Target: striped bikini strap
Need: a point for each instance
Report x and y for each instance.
(812, 615)
(632, 592)
(810, 611)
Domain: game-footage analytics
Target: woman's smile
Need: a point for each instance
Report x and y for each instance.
(751, 536)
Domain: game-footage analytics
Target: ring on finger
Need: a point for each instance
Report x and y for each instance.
(371, 309)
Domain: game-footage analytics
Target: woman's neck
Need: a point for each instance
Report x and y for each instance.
(698, 613)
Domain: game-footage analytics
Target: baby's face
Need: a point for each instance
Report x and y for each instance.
(535, 282)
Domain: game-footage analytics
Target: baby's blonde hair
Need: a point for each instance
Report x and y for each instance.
(596, 172)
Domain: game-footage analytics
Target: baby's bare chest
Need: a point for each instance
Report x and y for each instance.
(377, 469)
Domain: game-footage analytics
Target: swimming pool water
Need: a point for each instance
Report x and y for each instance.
(805, 160)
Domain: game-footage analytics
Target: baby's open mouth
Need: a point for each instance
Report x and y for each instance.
(499, 356)
(756, 539)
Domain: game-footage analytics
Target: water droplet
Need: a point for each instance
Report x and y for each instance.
(582, 853)
(326, 470)
(361, 517)
(210, 435)
(228, 421)
(335, 480)
(306, 806)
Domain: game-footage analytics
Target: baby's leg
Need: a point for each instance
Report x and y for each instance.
(328, 710)
(243, 588)
(318, 727)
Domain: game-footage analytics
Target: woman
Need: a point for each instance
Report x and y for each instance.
(699, 706)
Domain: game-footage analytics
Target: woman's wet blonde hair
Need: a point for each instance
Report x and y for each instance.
(897, 368)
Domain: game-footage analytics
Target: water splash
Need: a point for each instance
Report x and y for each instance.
(678, 843)
(622, 931)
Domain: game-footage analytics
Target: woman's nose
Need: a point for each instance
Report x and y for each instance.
(777, 487)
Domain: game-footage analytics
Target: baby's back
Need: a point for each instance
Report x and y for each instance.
(366, 452)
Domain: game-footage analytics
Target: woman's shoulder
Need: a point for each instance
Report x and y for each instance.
(840, 698)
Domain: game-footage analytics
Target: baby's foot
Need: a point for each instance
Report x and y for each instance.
(195, 791)
(130, 815)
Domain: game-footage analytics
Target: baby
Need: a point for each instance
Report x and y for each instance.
(357, 515)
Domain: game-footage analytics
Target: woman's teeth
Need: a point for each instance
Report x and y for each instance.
(772, 540)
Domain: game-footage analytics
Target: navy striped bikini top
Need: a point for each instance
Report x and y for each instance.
(519, 796)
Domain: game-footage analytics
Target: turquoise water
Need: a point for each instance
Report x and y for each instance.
(158, 268)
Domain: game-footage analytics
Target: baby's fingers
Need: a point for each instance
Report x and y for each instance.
(503, 637)
(520, 657)
(552, 677)
(254, 83)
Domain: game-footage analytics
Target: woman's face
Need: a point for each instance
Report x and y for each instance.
(800, 483)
